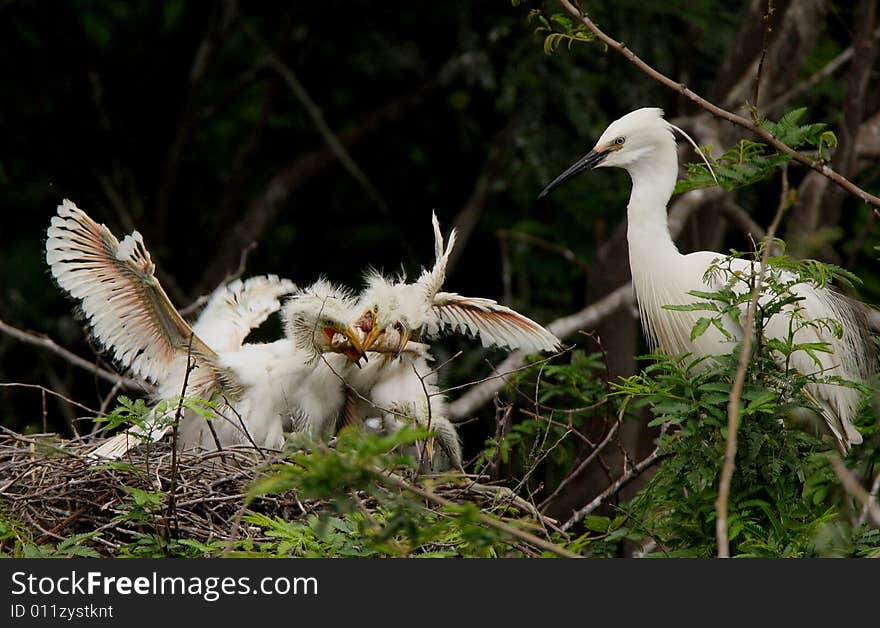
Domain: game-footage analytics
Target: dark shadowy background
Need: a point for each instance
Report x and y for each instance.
(175, 118)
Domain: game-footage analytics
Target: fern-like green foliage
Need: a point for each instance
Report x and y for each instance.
(785, 499)
(17, 541)
(398, 524)
(560, 29)
(749, 162)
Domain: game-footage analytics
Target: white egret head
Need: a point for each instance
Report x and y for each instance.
(638, 137)
(391, 310)
(319, 317)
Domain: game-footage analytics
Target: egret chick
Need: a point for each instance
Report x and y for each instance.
(254, 387)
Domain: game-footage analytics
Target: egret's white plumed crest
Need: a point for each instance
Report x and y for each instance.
(642, 143)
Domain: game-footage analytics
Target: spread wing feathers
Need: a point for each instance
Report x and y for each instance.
(120, 444)
(128, 310)
(432, 280)
(234, 309)
(495, 324)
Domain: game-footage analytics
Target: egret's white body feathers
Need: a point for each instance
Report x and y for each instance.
(237, 308)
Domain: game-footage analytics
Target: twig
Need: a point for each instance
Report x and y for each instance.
(47, 343)
(615, 486)
(501, 526)
(875, 489)
(51, 392)
(765, 32)
(851, 485)
(721, 505)
(717, 111)
(563, 251)
(172, 495)
(583, 465)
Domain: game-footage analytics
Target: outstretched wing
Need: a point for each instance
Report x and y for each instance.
(234, 309)
(432, 280)
(495, 324)
(130, 314)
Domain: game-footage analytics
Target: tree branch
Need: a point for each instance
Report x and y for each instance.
(497, 524)
(851, 485)
(45, 342)
(615, 486)
(721, 505)
(740, 121)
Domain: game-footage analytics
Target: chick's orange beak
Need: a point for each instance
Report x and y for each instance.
(353, 349)
(371, 337)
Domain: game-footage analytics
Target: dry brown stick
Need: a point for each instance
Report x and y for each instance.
(721, 505)
(851, 485)
(175, 428)
(583, 465)
(717, 111)
(45, 342)
(51, 392)
(875, 490)
(497, 524)
(765, 33)
(615, 486)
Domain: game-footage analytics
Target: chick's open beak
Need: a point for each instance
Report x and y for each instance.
(353, 349)
(372, 335)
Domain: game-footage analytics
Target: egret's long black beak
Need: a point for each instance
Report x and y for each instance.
(590, 160)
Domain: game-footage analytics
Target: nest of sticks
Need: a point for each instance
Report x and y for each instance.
(54, 488)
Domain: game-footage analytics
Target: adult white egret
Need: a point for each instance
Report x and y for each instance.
(643, 144)
(255, 387)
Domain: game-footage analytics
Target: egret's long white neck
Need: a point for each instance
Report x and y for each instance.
(653, 178)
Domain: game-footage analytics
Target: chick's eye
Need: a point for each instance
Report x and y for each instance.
(619, 141)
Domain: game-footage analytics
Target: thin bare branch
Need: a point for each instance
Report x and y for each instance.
(497, 524)
(765, 32)
(851, 485)
(740, 121)
(721, 505)
(583, 465)
(45, 342)
(612, 489)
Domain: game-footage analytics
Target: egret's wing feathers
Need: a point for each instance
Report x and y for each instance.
(235, 309)
(495, 324)
(432, 280)
(128, 310)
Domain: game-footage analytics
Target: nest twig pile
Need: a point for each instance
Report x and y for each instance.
(57, 490)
